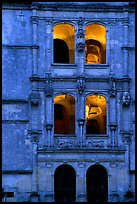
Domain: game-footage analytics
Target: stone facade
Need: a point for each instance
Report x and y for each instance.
(31, 151)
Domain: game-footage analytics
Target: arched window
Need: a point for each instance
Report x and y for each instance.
(65, 184)
(95, 50)
(64, 114)
(95, 114)
(63, 35)
(97, 184)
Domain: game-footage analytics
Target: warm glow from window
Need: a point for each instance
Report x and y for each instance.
(66, 33)
(96, 114)
(95, 38)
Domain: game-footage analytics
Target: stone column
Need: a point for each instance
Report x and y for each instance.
(81, 184)
(81, 110)
(49, 110)
(34, 137)
(114, 197)
(127, 139)
(34, 21)
(80, 48)
(49, 45)
(125, 48)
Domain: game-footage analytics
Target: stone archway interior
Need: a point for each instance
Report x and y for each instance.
(97, 184)
(65, 184)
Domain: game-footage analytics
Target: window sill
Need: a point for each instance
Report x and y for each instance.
(96, 66)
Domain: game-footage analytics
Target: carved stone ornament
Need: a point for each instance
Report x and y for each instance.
(96, 144)
(81, 85)
(34, 135)
(48, 88)
(126, 98)
(126, 136)
(81, 121)
(65, 144)
(80, 46)
(49, 127)
(112, 87)
(34, 97)
(80, 33)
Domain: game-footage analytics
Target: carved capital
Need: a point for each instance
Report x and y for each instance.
(80, 46)
(48, 21)
(49, 127)
(34, 135)
(126, 98)
(81, 85)
(111, 22)
(125, 22)
(113, 127)
(34, 19)
(81, 121)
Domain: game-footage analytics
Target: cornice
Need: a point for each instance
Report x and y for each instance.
(84, 6)
(71, 6)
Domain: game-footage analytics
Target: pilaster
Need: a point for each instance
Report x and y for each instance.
(49, 110)
(125, 48)
(49, 44)
(34, 20)
(81, 111)
(80, 47)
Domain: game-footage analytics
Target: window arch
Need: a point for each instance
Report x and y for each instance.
(95, 38)
(64, 33)
(95, 114)
(64, 114)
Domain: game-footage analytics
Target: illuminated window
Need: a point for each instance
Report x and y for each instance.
(64, 114)
(95, 50)
(63, 35)
(95, 115)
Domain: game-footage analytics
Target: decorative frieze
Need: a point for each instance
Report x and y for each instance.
(96, 144)
(126, 99)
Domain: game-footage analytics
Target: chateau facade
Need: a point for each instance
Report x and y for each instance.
(68, 101)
